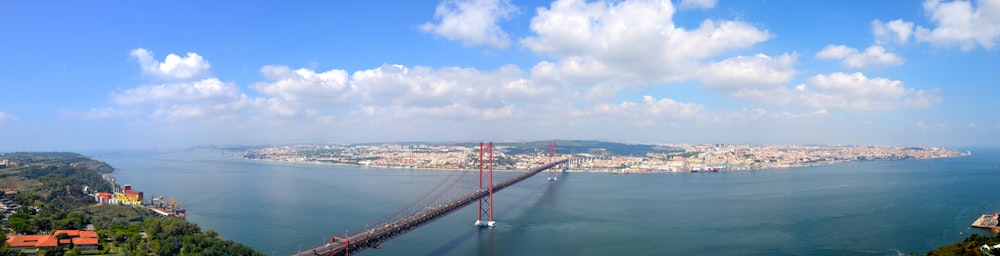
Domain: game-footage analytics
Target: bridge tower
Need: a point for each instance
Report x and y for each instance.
(486, 203)
(552, 159)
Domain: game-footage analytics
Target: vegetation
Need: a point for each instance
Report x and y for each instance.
(52, 196)
(971, 246)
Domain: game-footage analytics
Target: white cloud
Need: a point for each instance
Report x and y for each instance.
(788, 115)
(666, 112)
(97, 113)
(961, 24)
(181, 97)
(187, 92)
(447, 91)
(525, 91)
(210, 89)
(846, 91)
(279, 108)
(762, 115)
(173, 67)
(700, 4)
(982, 127)
(748, 72)
(473, 22)
(305, 86)
(875, 55)
(424, 86)
(836, 52)
(452, 112)
(897, 31)
(923, 126)
(178, 112)
(4, 117)
(632, 41)
(645, 113)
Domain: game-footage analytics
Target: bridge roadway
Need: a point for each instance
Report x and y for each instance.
(374, 237)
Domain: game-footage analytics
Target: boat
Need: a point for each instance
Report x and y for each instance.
(705, 170)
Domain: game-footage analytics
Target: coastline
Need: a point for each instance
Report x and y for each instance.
(607, 157)
(596, 170)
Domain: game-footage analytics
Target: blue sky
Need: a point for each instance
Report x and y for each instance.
(79, 76)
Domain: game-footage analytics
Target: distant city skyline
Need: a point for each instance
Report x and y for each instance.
(81, 76)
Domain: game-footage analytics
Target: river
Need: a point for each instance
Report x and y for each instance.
(856, 208)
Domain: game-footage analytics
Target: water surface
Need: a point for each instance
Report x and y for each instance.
(860, 208)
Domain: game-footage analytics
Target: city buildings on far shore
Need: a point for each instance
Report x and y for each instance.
(679, 157)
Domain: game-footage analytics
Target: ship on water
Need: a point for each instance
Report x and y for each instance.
(164, 207)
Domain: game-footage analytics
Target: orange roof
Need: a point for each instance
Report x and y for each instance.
(84, 240)
(23, 241)
(48, 241)
(33, 241)
(88, 234)
(64, 241)
(70, 233)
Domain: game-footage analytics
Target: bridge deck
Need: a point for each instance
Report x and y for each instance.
(375, 236)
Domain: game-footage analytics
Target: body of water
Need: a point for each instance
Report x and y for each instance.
(858, 208)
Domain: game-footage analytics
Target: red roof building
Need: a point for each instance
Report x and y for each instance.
(70, 233)
(32, 241)
(88, 234)
(85, 243)
(85, 240)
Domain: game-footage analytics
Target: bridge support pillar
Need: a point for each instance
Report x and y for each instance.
(552, 159)
(485, 203)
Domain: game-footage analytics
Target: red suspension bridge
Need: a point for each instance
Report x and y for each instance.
(447, 196)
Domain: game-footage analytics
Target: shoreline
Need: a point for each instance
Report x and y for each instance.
(609, 171)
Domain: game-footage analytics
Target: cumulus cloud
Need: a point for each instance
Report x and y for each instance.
(173, 67)
(748, 72)
(897, 31)
(961, 24)
(629, 40)
(305, 86)
(424, 86)
(447, 91)
(875, 55)
(210, 89)
(188, 91)
(846, 91)
(699, 4)
(473, 22)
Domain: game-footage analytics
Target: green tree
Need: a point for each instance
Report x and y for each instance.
(20, 223)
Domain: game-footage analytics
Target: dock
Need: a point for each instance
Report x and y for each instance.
(988, 221)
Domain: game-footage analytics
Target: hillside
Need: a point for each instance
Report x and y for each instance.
(52, 194)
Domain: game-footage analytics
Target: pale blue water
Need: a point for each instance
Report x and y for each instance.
(862, 208)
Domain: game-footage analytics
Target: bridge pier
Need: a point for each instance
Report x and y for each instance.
(486, 223)
(485, 201)
(552, 159)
